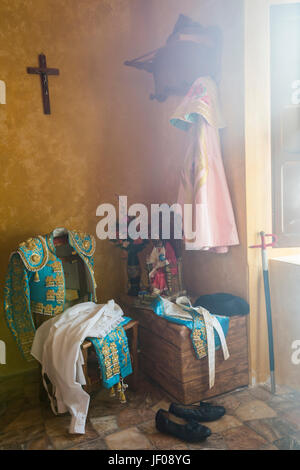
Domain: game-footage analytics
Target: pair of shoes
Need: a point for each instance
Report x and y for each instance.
(206, 412)
(186, 430)
(183, 421)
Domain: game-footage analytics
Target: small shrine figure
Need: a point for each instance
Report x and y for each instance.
(162, 267)
(133, 248)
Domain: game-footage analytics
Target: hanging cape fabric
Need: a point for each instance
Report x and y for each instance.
(203, 182)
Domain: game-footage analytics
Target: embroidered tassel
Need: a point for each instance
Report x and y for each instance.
(122, 397)
(121, 392)
(122, 387)
(36, 277)
(112, 392)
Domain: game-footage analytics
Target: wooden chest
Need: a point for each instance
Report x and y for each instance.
(168, 357)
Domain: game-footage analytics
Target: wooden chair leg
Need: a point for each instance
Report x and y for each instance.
(85, 370)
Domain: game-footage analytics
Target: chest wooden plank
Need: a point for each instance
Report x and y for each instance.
(167, 356)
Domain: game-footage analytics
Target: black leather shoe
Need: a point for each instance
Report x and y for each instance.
(204, 412)
(186, 430)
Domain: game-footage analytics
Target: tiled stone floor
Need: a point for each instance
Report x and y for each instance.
(255, 420)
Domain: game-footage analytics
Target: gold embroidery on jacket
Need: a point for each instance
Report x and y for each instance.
(59, 280)
(200, 342)
(37, 307)
(50, 295)
(56, 266)
(60, 294)
(46, 309)
(50, 281)
(31, 244)
(58, 309)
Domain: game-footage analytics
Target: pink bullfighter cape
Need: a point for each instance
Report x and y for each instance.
(210, 223)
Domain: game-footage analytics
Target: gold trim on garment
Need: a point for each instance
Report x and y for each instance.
(50, 281)
(41, 309)
(58, 309)
(37, 307)
(85, 244)
(115, 359)
(59, 295)
(50, 295)
(111, 359)
(26, 340)
(56, 267)
(31, 244)
(46, 309)
(59, 279)
(86, 261)
(50, 242)
(199, 344)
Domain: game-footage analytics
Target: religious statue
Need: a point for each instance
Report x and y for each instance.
(162, 265)
(133, 248)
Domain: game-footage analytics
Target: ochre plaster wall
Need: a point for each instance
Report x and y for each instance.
(55, 170)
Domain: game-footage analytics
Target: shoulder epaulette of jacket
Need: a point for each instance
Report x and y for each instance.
(34, 253)
(83, 242)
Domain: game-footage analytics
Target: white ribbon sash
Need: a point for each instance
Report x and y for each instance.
(211, 323)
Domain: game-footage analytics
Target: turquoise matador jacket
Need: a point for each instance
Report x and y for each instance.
(35, 283)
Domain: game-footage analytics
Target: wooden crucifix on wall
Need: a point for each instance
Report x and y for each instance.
(43, 71)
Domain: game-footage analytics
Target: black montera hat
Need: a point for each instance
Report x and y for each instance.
(223, 304)
(191, 51)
